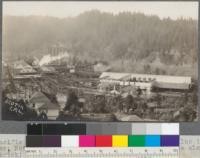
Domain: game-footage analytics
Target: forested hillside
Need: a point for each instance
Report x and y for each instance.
(129, 42)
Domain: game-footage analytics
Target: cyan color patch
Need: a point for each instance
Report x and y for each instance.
(152, 140)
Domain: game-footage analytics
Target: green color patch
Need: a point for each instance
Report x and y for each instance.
(136, 140)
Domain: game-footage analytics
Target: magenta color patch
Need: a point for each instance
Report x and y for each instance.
(86, 141)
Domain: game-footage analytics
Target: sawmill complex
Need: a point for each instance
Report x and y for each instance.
(63, 90)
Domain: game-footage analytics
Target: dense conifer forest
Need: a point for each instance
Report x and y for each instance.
(129, 42)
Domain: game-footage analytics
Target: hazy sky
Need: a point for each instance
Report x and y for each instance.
(173, 10)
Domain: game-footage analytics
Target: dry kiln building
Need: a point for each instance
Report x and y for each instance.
(147, 82)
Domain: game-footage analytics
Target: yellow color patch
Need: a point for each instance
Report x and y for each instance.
(120, 141)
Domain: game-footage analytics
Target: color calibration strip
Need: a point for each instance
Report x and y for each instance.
(76, 135)
(104, 129)
(103, 141)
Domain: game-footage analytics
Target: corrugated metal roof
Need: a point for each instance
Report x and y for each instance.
(114, 76)
(158, 78)
(171, 85)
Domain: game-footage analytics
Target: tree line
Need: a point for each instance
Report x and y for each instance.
(131, 42)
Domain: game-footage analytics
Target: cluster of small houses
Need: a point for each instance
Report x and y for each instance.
(145, 82)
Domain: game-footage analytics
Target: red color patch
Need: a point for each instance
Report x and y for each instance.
(104, 141)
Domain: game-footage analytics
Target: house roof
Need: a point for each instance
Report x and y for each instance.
(125, 117)
(47, 68)
(115, 92)
(27, 70)
(24, 67)
(39, 97)
(20, 64)
(49, 106)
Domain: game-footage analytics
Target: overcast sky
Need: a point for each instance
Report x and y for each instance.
(173, 10)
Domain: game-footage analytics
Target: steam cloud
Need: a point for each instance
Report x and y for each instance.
(49, 58)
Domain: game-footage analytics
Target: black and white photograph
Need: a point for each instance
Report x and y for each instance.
(107, 61)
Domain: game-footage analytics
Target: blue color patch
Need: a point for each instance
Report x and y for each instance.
(152, 140)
